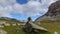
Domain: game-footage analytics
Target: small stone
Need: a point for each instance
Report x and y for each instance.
(55, 32)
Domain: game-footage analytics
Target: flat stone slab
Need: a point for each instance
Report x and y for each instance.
(38, 27)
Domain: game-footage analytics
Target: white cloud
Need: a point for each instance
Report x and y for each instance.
(32, 8)
(6, 7)
(17, 8)
(5, 11)
(7, 2)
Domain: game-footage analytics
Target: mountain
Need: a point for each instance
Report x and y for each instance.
(10, 20)
(7, 18)
(53, 12)
(51, 20)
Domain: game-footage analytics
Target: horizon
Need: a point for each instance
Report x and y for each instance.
(22, 9)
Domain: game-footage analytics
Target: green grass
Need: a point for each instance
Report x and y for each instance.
(13, 30)
(51, 26)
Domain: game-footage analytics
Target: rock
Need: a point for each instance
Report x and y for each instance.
(2, 31)
(55, 32)
(54, 9)
(2, 22)
(38, 27)
(52, 14)
(18, 24)
(1, 26)
(14, 24)
(7, 24)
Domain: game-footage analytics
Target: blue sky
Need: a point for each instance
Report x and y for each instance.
(22, 9)
(22, 1)
(23, 17)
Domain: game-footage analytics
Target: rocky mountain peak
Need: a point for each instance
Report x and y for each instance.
(53, 12)
(54, 9)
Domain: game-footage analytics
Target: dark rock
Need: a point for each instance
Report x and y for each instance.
(54, 9)
(53, 12)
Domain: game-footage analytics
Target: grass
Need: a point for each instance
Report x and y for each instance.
(51, 26)
(13, 29)
(16, 29)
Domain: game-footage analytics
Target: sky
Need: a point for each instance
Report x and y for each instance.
(22, 9)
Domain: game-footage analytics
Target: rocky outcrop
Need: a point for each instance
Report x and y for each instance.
(54, 9)
(53, 12)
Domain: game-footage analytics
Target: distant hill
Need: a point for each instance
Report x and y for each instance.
(9, 19)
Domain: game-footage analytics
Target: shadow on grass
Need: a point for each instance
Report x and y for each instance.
(43, 32)
(39, 32)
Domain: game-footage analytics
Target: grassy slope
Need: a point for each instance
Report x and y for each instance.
(12, 29)
(52, 26)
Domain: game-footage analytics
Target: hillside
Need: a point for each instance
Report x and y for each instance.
(8, 26)
(52, 26)
(53, 12)
(11, 26)
(51, 20)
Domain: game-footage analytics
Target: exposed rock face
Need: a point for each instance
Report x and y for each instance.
(54, 9)
(53, 12)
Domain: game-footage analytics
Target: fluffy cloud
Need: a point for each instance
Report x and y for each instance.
(5, 11)
(7, 2)
(28, 9)
(32, 8)
(6, 7)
